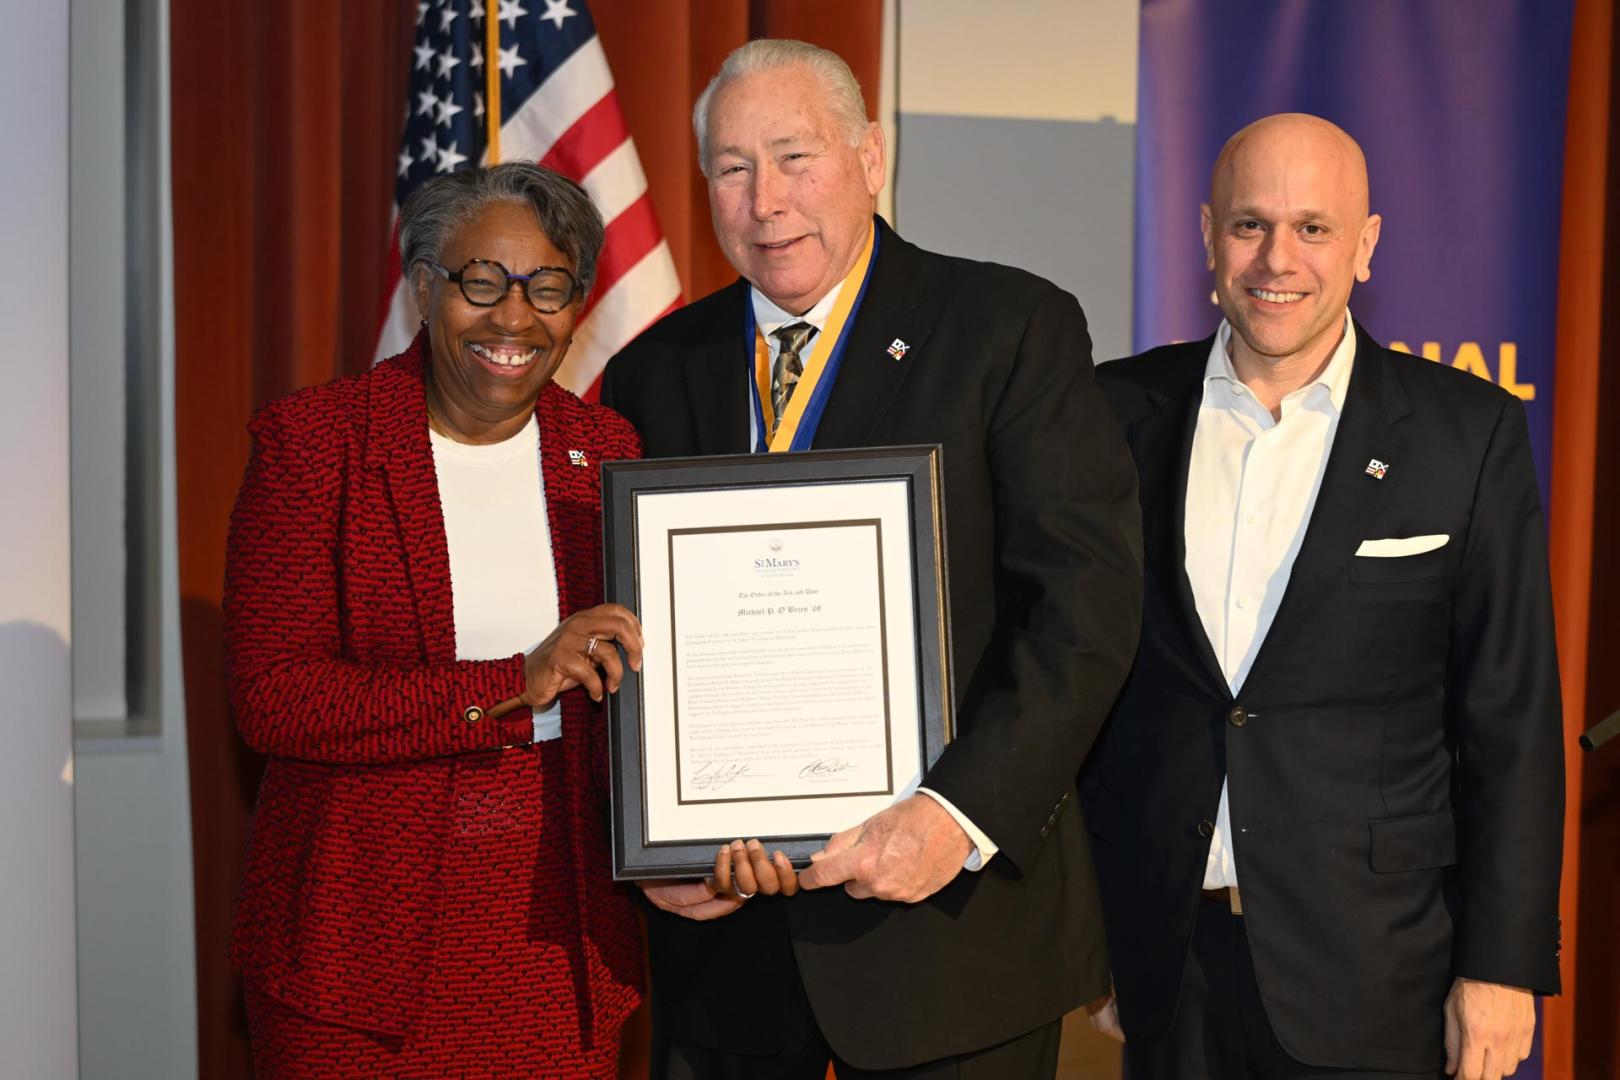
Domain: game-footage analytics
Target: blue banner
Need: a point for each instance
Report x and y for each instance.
(1460, 110)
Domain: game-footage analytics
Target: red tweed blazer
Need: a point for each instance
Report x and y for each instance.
(340, 657)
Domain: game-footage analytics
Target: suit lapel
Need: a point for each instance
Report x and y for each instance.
(1164, 452)
(1349, 498)
(571, 511)
(717, 374)
(900, 305)
(397, 445)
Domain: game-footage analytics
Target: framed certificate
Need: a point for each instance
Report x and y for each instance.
(796, 673)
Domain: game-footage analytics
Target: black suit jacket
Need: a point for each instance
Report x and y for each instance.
(1044, 555)
(1396, 777)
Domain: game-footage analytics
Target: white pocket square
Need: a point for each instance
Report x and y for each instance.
(1402, 545)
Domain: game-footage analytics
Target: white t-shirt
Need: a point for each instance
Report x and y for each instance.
(502, 577)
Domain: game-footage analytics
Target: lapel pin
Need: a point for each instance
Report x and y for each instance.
(898, 349)
(577, 457)
(1376, 469)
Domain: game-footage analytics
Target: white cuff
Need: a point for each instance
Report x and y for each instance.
(984, 849)
(548, 724)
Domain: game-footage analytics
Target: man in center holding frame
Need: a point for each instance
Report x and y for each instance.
(947, 935)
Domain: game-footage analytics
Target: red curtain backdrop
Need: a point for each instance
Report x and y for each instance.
(1582, 1036)
(1571, 524)
(286, 122)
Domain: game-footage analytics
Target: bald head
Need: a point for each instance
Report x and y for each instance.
(1287, 233)
(1268, 143)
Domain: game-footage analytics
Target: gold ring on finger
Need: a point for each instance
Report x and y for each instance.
(590, 647)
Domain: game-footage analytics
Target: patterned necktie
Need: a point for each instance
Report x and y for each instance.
(791, 340)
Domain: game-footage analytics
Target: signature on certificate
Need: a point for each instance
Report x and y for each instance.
(714, 775)
(825, 768)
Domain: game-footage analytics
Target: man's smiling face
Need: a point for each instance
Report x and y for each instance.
(791, 199)
(1288, 234)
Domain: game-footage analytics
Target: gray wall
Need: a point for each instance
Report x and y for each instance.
(137, 981)
(1017, 139)
(37, 1020)
(1051, 196)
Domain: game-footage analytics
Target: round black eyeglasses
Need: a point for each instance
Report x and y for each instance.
(484, 283)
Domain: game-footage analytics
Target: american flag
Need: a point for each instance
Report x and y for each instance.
(557, 107)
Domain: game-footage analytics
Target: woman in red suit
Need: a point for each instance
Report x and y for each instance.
(414, 637)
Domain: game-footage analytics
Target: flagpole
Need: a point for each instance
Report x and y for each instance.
(492, 80)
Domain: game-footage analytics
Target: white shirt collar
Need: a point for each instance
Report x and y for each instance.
(770, 318)
(1334, 379)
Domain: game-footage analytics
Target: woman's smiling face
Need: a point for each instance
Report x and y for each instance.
(489, 364)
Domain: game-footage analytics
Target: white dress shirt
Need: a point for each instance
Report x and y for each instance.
(770, 318)
(1251, 486)
(503, 584)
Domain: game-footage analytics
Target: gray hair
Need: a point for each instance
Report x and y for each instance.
(437, 209)
(843, 90)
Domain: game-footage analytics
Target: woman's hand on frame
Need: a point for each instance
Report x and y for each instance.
(580, 652)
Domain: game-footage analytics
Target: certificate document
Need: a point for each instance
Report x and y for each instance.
(788, 672)
(779, 661)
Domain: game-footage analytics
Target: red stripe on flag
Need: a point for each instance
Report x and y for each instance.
(594, 136)
(630, 236)
(594, 392)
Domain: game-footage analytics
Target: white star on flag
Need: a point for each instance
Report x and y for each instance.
(426, 101)
(557, 11)
(447, 62)
(449, 159)
(511, 11)
(477, 56)
(447, 15)
(430, 149)
(405, 162)
(447, 112)
(510, 61)
(424, 57)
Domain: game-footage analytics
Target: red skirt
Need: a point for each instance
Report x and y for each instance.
(508, 996)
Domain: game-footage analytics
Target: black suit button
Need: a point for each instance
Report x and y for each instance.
(1238, 716)
(1206, 828)
(1045, 831)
